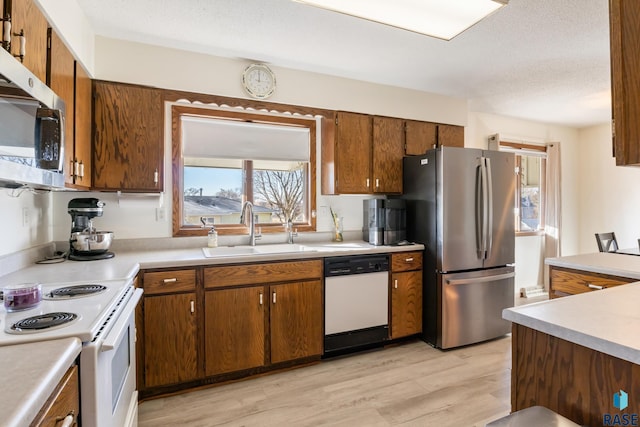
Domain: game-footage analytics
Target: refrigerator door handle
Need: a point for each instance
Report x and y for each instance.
(489, 201)
(479, 210)
(481, 279)
(485, 207)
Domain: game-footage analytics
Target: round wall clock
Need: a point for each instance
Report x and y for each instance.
(259, 81)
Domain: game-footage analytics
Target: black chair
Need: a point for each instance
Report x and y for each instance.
(607, 242)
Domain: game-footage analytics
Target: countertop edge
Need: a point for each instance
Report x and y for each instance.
(599, 262)
(24, 407)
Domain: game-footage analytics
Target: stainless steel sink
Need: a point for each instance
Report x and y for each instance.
(227, 251)
(283, 248)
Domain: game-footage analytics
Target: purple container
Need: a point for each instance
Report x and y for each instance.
(22, 296)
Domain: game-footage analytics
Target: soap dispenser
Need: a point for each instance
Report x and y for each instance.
(212, 237)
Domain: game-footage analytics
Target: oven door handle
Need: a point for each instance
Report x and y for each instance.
(115, 334)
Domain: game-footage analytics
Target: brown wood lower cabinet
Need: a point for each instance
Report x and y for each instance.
(566, 281)
(254, 326)
(63, 403)
(574, 381)
(406, 294)
(170, 339)
(296, 320)
(209, 324)
(235, 325)
(170, 322)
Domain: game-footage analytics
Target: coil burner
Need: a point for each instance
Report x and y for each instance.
(77, 291)
(44, 321)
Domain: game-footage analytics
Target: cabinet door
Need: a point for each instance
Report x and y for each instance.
(64, 401)
(61, 69)
(406, 303)
(170, 338)
(450, 136)
(624, 19)
(26, 18)
(419, 137)
(83, 117)
(128, 138)
(296, 320)
(388, 150)
(353, 153)
(234, 329)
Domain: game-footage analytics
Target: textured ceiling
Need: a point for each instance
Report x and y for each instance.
(543, 60)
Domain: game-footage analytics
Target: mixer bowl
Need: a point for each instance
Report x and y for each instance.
(97, 242)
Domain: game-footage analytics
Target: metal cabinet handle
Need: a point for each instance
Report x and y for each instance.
(260, 298)
(410, 259)
(172, 280)
(395, 283)
(367, 182)
(592, 286)
(155, 176)
(377, 182)
(193, 306)
(274, 297)
(23, 45)
(67, 421)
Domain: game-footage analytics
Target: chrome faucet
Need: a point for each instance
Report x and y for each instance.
(290, 232)
(252, 222)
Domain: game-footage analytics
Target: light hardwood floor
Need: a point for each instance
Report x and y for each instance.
(408, 385)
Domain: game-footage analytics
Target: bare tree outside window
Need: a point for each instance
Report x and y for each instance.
(233, 194)
(282, 191)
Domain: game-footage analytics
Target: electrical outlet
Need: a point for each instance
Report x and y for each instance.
(25, 217)
(160, 214)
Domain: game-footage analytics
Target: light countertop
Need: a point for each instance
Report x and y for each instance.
(607, 321)
(126, 264)
(30, 374)
(615, 264)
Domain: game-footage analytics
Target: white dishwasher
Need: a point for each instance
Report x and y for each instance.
(356, 302)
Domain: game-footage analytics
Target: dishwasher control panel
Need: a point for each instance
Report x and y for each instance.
(355, 264)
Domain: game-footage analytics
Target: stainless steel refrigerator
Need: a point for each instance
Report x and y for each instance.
(460, 205)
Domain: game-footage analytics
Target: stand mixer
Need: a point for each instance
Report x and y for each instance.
(85, 243)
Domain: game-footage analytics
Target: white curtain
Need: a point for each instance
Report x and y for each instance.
(552, 207)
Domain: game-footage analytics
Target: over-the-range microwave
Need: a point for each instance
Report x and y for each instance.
(31, 129)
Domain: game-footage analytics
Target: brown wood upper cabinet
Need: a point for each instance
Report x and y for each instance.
(624, 22)
(423, 136)
(28, 21)
(128, 138)
(368, 154)
(82, 149)
(60, 78)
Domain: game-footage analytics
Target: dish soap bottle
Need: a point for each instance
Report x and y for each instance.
(212, 237)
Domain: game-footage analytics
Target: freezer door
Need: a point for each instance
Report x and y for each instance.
(457, 209)
(500, 244)
(471, 306)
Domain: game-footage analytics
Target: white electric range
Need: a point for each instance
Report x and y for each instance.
(105, 323)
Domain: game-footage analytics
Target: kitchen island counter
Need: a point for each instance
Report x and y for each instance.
(573, 355)
(606, 321)
(30, 374)
(615, 264)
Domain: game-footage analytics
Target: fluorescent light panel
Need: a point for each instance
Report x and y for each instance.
(443, 19)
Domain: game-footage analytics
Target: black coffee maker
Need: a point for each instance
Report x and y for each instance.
(85, 243)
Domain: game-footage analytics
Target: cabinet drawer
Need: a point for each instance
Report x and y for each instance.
(162, 282)
(406, 261)
(215, 277)
(567, 281)
(62, 403)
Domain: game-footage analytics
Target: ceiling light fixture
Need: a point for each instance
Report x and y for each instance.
(443, 19)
